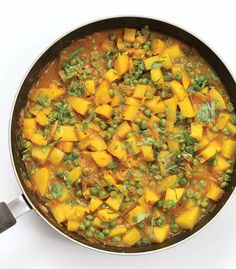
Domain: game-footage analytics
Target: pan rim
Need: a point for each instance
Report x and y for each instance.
(11, 151)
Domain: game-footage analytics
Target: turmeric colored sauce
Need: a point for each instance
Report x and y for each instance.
(129, 137)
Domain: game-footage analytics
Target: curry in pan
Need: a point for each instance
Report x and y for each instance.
(128, 137)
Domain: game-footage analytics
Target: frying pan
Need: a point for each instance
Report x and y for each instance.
(11, 211)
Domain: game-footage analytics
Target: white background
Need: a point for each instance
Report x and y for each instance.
(26, 28)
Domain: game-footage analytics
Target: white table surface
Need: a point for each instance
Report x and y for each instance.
(26, 28)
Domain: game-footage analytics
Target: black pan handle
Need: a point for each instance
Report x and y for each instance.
(11, 211)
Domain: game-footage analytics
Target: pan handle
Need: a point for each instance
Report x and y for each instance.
(11, 211)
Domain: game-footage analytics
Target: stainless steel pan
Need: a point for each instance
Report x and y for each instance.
(11, 211)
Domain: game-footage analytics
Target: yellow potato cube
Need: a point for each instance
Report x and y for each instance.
(231, 127)
(171, 107)
(114, 202)
(121, 64)
(80, 105)
(178, 90)
(89, 86)
(157, 46)
(188, 218)
(222, 120)
(65, 146)
(150, 61)
(102, 95)
(167, 183)
(174, 194)
(102, 158)
(151, 196)
(56, 156)
(152, 104)
(217, 97)
(117, 149)
(229, 149)
(139, 91)
(165, 59)
(129, 35)
(39, 140)
(111, 75)
(132, 237)
(118, 230)
(221, 164)
(157, 76)
(65, 133)
(109, 179)
(132, 101)
(209, 151)
(160, 107)
(174, 51)
(59, 212)
(215, 192)
(130, 113)
(186, 108)
(158, 234)
(133, 146)
(173, 145)
(147, 152)
(41, 119)
(196, 131)
(94, 204)
(104, 110)
(107, 215)
(123, 129)
(73, 225)
(40, 180)
(75, 174)
(40, 153)
(134, 213)
(29, 128)
(96, 143)
(99, 223)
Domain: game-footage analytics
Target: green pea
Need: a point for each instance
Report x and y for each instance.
(162, 122)
(100, 235)
(127, 199)
(143, 168)
(106, 231)
(113, 224)
(202, 183)
(233, 119)
(127, 81)
(164, 146)
(226, 131)
(102, 193)
(116, 239)
(86, 171)
(88, 223)
(139, 184)
(183, 182)
(89, 234)
(82, 227)
(93, 190)
(197, 195)
(89, 217)
(226, 177)
(163, 94)
(204, 211)
(223, 185)
(97, 120)
(160, 204)
(147, 112)
(140, 192)
(79, 193)
(91, 229)
(230, 107)
(204, 203)
(111, 93)
(111, 130)
(103, 125)
(136, 44)
(195, 162)
(190, 193)
(141, 225)
(215, 129)
(144, 241)
(143, 125)
(114, 194)
(158, 177)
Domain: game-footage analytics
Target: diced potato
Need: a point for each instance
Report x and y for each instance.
(107, 215)
(40, 153)
(165, 59)
(215, 95)
(59, 212)
(186, 80)
(29, 128)
(160, 107)
(130, 113)
(80, 105)
(41, 119)
(56, 156)
(123, 129)
(142, 38)
(121, 64)
(231, 127)
(65, 133)
(40, 180)
(174, 194)
(80, 133)
(117, 149)
(147, 152)
(134, 213)
(174, 51)
(171, 107)
(96, 143)
(222, 120)
(102, 158)
(109, 179)
(150, 61)
(204, 142)
(133, 146)
(38, 140)
(132, 101)
(108, 45)
(157, 234)
(118, 230)
(151, 196)
(229, 149)
(157, 76)
(65, 146)
(102, 95)
(186, 108)
(215, 192)
(221, 164)
(114, 202)
(173, 145)
(115, 101)
(162, 159)
(209, 151)
(73, 225)
(196, 131)
(139, 91)
(132, 237)
(35, 109)
(89, 86)
(56, 91)
(166, 183)
(104, 110)
(157, 46)
(75, 174)
(47, 110)
(94, 204)
(178, 90)
(76, 212)
(99, 223)
(188, 218)
(111, 75)
(65, 194)
(129, 35)
(152, 104)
